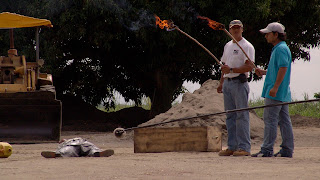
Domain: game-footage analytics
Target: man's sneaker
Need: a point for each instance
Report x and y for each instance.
(279, 154)
(50, 154)
(261, 154)
(226, 152)
(105, 153)
(241, 152)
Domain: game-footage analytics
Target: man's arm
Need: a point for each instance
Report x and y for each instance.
(280, 76)
(260, 72)
(247, 67)
(219, 89)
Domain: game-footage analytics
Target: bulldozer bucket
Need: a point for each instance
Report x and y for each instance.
(30, 117)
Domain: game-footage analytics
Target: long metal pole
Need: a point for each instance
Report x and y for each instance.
(214, 57)
(224, 112)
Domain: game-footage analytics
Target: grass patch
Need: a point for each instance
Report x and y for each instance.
(311, 109)
(257, 102)
(146, 104)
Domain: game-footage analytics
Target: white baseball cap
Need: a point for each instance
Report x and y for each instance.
(273, 27)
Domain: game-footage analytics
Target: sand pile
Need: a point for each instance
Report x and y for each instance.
(205, 100)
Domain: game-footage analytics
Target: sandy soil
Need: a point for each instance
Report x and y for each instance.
(27, 163)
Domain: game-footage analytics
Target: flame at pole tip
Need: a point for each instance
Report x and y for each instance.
(213, 24)
(168, 24)
(218, 26)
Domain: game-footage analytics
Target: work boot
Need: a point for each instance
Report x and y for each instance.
(50, 154)
(241, 152)
(261, 154)
(226, 152)
(281, 154)
(105, 153)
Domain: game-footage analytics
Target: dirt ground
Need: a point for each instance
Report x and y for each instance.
(27, 163)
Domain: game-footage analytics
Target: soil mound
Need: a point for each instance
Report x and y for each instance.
(301, 121)
(203, 101)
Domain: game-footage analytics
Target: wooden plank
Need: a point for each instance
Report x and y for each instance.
(177, 139)
(214, 138)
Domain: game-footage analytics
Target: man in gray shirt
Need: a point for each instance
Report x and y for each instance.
(77, 147)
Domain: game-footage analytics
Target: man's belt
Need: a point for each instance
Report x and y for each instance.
(241, 77)
(234, 78)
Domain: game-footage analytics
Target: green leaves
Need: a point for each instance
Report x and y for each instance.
(115, 45)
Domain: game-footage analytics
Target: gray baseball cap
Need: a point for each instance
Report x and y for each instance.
(273, 27)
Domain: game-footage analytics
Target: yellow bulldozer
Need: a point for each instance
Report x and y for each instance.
(29, 110)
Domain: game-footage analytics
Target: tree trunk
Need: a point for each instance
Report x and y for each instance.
(166, 85)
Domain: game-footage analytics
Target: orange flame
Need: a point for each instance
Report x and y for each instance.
(213, 24)
(164, 23)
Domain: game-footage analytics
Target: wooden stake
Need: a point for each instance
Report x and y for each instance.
(214, 57)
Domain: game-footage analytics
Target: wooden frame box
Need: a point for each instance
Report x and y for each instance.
(153, 140)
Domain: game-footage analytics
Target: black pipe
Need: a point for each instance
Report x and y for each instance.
(224, 112)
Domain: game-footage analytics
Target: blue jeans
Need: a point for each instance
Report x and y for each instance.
(273, 116)
(235, 96)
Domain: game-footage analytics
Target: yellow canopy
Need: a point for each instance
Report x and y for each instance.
(12, 20)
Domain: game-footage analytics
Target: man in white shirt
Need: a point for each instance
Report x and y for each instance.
(235, 89)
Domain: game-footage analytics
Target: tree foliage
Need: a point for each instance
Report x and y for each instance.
(99, 46)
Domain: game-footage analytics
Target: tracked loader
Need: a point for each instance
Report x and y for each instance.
(29, 110)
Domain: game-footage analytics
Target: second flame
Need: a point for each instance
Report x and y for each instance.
(164, 23)
(213, 24)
